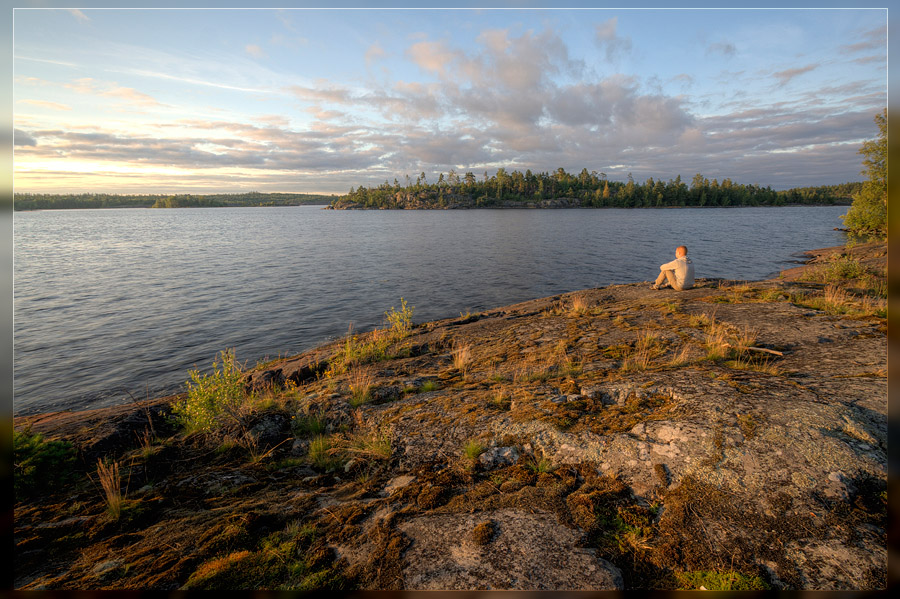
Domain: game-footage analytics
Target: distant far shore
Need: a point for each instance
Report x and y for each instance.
(533, 206)
(73, 201)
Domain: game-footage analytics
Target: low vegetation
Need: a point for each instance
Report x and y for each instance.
(210, 396)
(39, 464)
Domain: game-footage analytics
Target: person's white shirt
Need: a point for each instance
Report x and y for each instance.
(684, 271)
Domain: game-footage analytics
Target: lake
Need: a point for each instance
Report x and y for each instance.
(110, 304)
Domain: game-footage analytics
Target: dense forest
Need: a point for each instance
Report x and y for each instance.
(46, 201)
(587, 189)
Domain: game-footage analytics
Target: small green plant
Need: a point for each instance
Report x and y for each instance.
(361, 381)
(837, 269)
(500, 399)
(721, 581)
(38, 464)
(305, 425)
(400, 321)
(211, 395)
(372, 443)
(429, 386)
(539, 465)
(322, 453)
(473, 449)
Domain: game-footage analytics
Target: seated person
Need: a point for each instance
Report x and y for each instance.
(679, 272)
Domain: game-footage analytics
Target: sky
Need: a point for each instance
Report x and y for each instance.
(319, 101)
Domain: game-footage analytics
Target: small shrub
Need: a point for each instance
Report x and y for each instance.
(211, 395)
(38, 464)
(400, 321)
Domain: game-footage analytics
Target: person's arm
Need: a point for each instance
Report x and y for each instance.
(669, 265)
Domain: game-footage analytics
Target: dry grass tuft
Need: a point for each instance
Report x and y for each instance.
(579, 305)
(112, 487)
(462, 356)
(716, 343)
(645, 349)
(360, 382)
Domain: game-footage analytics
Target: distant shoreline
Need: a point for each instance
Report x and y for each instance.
(533, 207)
(327, 206)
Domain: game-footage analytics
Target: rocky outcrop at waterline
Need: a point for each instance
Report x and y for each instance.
(730, 436)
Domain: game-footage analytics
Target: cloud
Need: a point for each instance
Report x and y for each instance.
(784, 77)
(20, 138)
(132, 96)
(331, 93)
(870, 59)
(873, 39)
(46, 104)
(79, 15)
(606, 37)
(90, 86)
(254, 51)
(431, 56)
(373, 53)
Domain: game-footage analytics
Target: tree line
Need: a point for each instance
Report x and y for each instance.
(588, 189)
(49, 201)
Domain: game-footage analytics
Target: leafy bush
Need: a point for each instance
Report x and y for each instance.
(211, 395)
(401, 322)
(39, 464)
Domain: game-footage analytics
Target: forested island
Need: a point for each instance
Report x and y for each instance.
(587, 189)
(49, 201)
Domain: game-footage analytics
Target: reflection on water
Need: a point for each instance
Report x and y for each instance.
(109, 302)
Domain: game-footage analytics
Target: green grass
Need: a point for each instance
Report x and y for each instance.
(539, 465)
(373, 347)
(429, 386)
(721, 581)
(39, 464)
(473, 449)
(836, 270)
(322, 453)
(283, 560)
(370, 444)
(309, 424)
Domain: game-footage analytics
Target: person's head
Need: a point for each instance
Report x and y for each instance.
(680, 251)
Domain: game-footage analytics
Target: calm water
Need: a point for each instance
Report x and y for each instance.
(109, 302)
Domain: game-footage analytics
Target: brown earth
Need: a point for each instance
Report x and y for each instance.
(602, 439)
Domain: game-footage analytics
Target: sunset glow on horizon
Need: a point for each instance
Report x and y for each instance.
(319, 101)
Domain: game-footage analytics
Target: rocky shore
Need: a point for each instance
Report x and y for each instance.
(730, 436)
